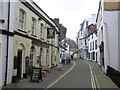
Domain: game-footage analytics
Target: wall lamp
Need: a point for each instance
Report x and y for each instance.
(2, 20)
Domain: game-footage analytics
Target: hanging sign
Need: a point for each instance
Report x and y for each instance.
(50, 33)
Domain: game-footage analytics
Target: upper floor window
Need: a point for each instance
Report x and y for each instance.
(41, 30)
(33, 26)
(95, 44)
(21, 19)
(85, 42)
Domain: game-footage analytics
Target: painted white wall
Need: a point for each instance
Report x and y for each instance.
(0, 65)
(112, 37)
(91, 41)
(119, 41)
(0, 45)
(100, 32)
(4, 44)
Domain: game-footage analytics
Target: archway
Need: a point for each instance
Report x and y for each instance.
(20, 60)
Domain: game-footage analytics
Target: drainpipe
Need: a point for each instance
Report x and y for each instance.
(6, 70)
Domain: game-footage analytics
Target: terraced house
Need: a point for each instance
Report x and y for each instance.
(33, 37)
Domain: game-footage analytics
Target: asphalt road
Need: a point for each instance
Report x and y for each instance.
(78, 77)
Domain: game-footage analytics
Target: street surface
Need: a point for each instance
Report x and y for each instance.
(78, 77)
(78, 74)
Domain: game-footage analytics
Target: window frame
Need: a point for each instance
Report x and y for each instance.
(33, 26)
(22, 19)
(32, 52)
(41, 30)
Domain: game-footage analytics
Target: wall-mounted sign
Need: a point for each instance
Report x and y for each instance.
(50, 33)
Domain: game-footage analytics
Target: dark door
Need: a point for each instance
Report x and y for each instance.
(19, 64)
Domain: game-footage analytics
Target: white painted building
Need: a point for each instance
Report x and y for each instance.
(84, 39)
(108, 20)
(92, 47)
(99, 21)
(92, 39)
(111, 39)
(6, 41)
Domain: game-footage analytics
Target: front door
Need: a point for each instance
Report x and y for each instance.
(19, 64)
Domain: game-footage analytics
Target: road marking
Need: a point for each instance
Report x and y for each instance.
(93, 78)
(50, 85)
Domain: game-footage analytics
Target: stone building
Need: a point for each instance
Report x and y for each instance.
(29, 36)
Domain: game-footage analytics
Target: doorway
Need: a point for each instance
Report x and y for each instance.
(19, 64)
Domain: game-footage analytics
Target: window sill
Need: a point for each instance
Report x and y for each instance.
(41, 38)
(22, 31)
(33, 35)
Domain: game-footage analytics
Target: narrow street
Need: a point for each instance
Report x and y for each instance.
(83, 74)
(78, 77)
(78, 74)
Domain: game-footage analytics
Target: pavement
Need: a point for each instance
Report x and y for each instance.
(102, 80)
(78, 77)
(47, 79)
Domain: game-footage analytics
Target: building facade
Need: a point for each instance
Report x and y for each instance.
(30, 37)
(6, 40)
(108, 38)
(92, 29)
(86, 39)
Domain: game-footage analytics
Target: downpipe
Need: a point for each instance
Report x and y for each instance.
(6, 70)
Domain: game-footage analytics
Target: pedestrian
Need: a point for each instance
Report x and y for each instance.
(60, 66)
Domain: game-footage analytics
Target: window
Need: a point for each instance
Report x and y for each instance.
(40, 56)
(90, 46)
(85, 42)
(33, 26)
(96, 56)
(47, 54)
(32, 56)
(93, 55)
(41, 30)
(81, 32)
(21, 19)
(95, 44)
(89, 55)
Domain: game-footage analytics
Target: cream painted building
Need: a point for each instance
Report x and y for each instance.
(34, 37)
(30, 39)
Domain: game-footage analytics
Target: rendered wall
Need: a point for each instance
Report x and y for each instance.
(112, 32)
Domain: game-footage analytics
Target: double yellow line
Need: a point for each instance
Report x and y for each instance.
(94, 82)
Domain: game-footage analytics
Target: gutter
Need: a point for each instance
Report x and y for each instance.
(6, 70)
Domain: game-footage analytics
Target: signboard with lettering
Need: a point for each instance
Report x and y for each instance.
(36, 74)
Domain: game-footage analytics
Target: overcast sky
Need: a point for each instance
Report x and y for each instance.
(70, 12)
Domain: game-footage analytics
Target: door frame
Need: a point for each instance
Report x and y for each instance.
(22, 64)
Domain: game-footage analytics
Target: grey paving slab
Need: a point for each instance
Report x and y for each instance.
(103, 80)
(50, 77)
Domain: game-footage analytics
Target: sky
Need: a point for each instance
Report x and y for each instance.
(70, 12)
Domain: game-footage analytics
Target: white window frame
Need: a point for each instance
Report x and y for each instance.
(32, 55)
(21, 19)
(33, 26)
